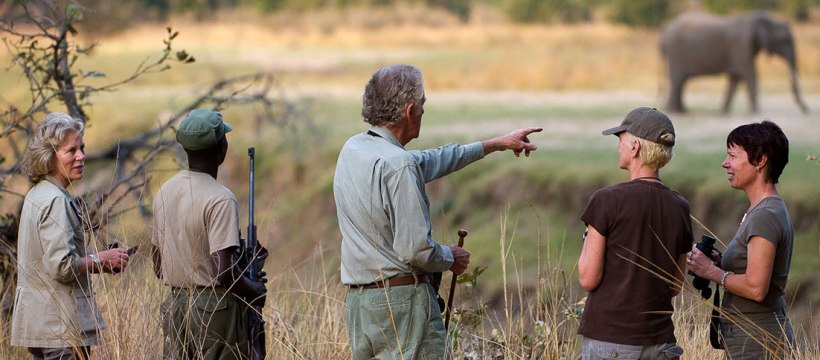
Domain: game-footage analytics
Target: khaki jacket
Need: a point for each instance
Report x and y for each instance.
(54, 307)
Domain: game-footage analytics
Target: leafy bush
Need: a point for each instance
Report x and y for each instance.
(797, 9)
(460, 8)
(534, 11)
(270, 5)
(728, 6)
(643, 13)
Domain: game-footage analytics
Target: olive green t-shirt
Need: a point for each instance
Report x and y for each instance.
(770, 220)
(194, 217)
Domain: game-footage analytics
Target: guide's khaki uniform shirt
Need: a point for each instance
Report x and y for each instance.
(194, 217)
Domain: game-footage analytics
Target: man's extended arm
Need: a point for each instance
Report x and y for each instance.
(444, 160)
(447, 159)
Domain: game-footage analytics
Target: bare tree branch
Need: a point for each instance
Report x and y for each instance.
(46, 55)
(137, 152)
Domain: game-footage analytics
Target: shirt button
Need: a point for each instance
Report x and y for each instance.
(614, 355)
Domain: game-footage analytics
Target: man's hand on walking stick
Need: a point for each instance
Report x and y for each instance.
(461, 259)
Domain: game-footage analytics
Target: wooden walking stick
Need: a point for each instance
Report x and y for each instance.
(461, 235)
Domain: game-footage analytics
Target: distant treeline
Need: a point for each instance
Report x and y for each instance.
(110, 15)
(630, 12)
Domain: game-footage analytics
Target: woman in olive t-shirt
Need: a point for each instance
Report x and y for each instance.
(755, 266)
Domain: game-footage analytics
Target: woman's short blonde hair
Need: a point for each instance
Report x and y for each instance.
(42, 146)
(652, 154)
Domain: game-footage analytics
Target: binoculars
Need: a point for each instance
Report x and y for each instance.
(706, 246)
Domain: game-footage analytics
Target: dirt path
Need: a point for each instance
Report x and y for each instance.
(698, 129)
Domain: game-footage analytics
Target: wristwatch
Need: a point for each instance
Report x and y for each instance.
(96, 260)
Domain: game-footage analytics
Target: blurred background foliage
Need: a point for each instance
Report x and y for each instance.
(113, 16)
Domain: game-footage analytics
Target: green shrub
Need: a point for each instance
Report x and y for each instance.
(270, 5)
(643, 13)
(796, 9)
(460, 8)
(729, 6)
(547, 11)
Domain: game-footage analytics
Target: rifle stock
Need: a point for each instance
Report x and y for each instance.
(252, 265)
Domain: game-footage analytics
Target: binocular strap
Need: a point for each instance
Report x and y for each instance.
(714, 321)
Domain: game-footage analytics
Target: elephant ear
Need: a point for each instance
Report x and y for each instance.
(763, 32)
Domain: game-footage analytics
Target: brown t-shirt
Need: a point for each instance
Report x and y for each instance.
(194, 217)
(770, 220)
(647, 227)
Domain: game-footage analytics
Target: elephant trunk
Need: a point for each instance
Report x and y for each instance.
(796, 88)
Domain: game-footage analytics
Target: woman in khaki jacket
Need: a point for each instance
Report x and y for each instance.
(55, 313)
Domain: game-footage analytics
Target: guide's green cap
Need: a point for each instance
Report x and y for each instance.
(201, 129)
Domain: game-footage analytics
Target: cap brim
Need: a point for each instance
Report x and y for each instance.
(227, 127)
(614, 131)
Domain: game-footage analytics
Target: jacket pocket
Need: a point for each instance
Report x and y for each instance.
(89, 318)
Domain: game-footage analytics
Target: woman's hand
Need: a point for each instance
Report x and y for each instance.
(113, 260)
(702, 265)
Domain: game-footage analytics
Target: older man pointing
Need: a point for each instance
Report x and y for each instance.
(388, 253)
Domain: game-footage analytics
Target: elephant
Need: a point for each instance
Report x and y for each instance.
(697, 43)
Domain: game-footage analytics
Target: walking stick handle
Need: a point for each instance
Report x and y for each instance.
(461, 235)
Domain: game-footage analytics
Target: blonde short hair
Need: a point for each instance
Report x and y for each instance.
(652, 154)
(42, 146)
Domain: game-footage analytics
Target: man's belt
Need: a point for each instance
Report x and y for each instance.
(396, 281)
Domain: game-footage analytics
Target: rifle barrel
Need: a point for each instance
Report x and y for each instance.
(251, 243)
(256, 325)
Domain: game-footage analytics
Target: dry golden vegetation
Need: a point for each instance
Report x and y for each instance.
(488, 69)
(305, 316)
(475, 56)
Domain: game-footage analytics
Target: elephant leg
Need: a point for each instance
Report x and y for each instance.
(675, 102)
(751, 86)
(796, 91)
(730, 92)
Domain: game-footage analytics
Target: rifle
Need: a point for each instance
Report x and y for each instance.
(252, 264)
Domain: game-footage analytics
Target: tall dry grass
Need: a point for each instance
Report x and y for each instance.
(305, 314)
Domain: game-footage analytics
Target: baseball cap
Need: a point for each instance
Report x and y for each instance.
(647, 123)
(201, 129)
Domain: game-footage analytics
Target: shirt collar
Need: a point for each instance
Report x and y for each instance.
(56, 183)
(386, 134)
